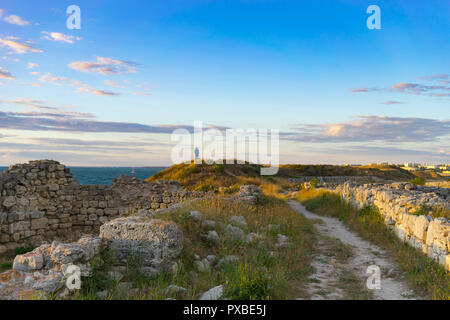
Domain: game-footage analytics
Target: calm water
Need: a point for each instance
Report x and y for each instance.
(92, 175)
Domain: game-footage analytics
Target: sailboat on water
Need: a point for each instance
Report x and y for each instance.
(133, 171)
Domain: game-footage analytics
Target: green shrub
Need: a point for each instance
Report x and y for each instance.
(187, 172)
(249, 284)
(23, 250)
(205, 188)
(5, 266)
(314, 182)
(417, 181)
(219, 168)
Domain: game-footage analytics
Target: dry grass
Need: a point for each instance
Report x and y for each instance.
(263, 271)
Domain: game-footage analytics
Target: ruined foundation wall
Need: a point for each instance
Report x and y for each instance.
(41, 200)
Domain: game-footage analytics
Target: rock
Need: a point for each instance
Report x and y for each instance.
(211, 258)
(252, 237)
(9, 202)
(28, 262)
(49, 283)
(203, 265)
(174, 290)
(212, 236)
(196, 215)
(282, 241)
(155, 244)
(3, 249)
(238, 221)
(212, 294)
(102, 294)
(66, 253)
(235, 232)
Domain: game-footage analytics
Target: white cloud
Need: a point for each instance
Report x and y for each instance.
(104, 66)
(372, 128)
(32, 65)
(115, 84)
(4, 74)
(81, 87)
(13, 19)
(18, 47)
(61, 37)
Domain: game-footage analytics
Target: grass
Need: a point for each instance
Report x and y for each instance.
(417, 181)
(435, 212)
(262, 272)
(5, 266)
(425, 276)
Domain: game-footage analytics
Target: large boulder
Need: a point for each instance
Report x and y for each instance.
(153, 244)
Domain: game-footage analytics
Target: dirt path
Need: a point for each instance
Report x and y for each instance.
(327, 279)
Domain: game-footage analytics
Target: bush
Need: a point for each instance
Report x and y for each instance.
(249, 285)
(205, 188)
(187, 172)
(417, 181)
(23, 250)
(314, 182)
(219, 168)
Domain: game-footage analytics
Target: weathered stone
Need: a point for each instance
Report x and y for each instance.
(212, 294)
(28, 262)
(235, 232)
(238, 221)
(155, 244)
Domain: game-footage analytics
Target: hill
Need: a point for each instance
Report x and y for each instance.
(211, 177)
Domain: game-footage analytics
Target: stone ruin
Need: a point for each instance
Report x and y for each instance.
(41, 203)
(41, 200)
(402, 205)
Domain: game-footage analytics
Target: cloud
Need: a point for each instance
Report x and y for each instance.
(61, 37)
(4, 74)
(434, 77)
(45, 122)
(389, 102)
(49, 111)
(30, 84)
(372, 128)
(104, 66)
(414, 88)
(81, 87)
(32, 65)
(363, 90)
(13, 19)
(115, 84)
(18, 47)
(97, 92)
(140, 93)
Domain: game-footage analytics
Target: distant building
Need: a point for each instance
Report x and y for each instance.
(412, 165)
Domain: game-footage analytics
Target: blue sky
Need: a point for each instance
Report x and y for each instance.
(312, 69)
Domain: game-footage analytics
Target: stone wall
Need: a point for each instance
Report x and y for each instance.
(335, 180)
(398, 202)
(41, 200)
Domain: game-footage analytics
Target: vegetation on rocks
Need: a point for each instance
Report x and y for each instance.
(254, 266)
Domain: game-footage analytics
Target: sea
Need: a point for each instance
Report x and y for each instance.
(105, 175)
